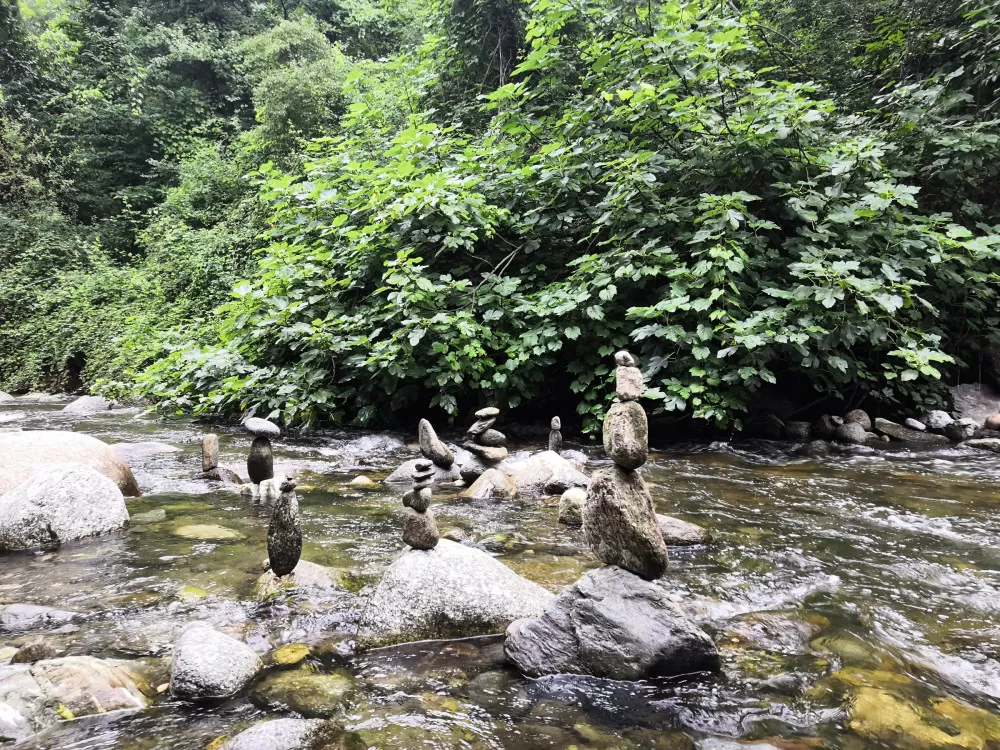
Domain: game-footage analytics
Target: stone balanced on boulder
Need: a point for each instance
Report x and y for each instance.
(209, 452)
(284, 535)
(555, 435)
(432, 447)
(260, 462)
(420, 530)
(487, 444)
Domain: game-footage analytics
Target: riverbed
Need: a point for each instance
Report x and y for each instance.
(839, 589)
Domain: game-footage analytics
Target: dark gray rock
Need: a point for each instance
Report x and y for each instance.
(261, 427)
(555, 441)
(480, 426)
(289, 734)
(614, 625)
(432, 447)
(209, 665)
(961, 429)
(626, 434)
(850, 432)
(824, 427)
(815, 448)
(859, 416)
(284, 534)
(451, 591)
(798, 431)
(898, 432)
(68, 503)
(260, 462)
(620, 524)
(420, 530)
(492, 439)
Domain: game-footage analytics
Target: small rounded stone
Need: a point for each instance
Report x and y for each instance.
(420, 500)
(624, 359)
(423, 465)
(555, 424)
(261, 427)
(486, 413)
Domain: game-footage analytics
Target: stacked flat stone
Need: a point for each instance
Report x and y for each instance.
(260, 462)
(420, 530)
(619, 520)
(489, 445)
(432, 447)
(284, 534)
(555, 435)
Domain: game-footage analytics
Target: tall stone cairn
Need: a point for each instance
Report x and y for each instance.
(489, 445)
(284, 535)
(619, 521)
(420, 530)
(555, 435)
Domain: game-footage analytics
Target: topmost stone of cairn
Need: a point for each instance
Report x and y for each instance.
(261, 427)
(487, 412)
(624, 359)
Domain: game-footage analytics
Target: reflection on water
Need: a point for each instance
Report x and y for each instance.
(840, 590)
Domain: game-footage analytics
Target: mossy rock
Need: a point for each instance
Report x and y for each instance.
(313, 695)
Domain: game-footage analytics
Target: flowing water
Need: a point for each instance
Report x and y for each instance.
(853, 598)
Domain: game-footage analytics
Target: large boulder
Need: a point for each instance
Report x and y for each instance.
(547, 473)
(905, 434)
(620, 524)
(209, 665)
(72, 502)
(34, 697)
(5, 397)
(850, 432)
(289, 734)
(451, 591)
(24, 454)
(611, 624)
(88, 405)
(492, 485)
(975, 401)
(404, 474)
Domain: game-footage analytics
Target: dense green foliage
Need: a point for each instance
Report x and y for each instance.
(339, 212)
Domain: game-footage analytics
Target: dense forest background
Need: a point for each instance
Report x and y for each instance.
(346, 210)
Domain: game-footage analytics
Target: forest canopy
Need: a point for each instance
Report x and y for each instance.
(344, 210)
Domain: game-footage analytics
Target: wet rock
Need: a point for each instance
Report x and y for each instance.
(88, 405)
(913, 424)
(291, 655)
(781, 632)
(209, 452)
(38, 696)
(571, 506)
(961, 429)
(815, 448)
(850, 432)
(420, 530)
(290, 734)
(432, 447)
(18, 617)
(208, 665)
(547, 473)
(984, 444)
(824, 427)
(312, 695)
(626, 434)
(610, 624)
(452, 591)
(678, 533)
(5, 397)
(992, 422)
(24, 454)
(363, 482)
(975, 401)
(859, 416)
(798, 431)
(620, 524)
(405, 473)
(284, 534)
(898, 432)
(261, 427)
(149, 517)
(206, 532)
(68, 503)
(492, 485)
(717, 743)
(306, 575)
(260, 462)
(36, 649)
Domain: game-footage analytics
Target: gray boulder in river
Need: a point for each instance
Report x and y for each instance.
(208, 664)
(611, 624)
(88, 405)
(289, 734)
(451, 591)
(70, 502)
(24, 454)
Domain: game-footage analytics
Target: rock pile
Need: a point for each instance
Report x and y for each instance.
(555, 435)
(284, 535)
(420, 530)
(485, 443)
(613, 622)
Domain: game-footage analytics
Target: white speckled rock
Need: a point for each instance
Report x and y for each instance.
(208, 664)
(71, 502)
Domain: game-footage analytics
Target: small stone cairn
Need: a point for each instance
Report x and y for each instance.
(420, 530)
(284, 534)
(487, 444)
(619, 521)
(555, 435)
(260, 462)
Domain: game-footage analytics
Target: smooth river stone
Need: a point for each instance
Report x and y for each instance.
(432, 447)
(492, 439)
(261, 427)
(555, 441)
(209, 452)
(284, 534)
(418, 499)
(624, 359)
(486, 453)
(260, 462)
(487, 412)
(626, 434)
(620, 524)
(420, 530)
(480, 427)
(628, 383)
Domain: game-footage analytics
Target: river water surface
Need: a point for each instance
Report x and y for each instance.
(854, 598)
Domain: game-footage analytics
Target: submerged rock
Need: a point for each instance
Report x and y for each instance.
(24, 454)
(451, 591)
(208, 665)
(307, 693)
(492, 485)
(88, 405)
(678, 533)
(985, 444)
(68, 503)
(291, 734)
(610, 624)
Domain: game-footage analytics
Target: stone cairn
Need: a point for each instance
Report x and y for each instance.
(432, 447)
(284, 535)
(487, 444)
(209, 452)
(619, 521)
(260, 462)
(420, 530)
(555, 435)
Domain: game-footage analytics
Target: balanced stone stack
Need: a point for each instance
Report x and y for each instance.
(432, 447)
(487, 444)
(555, 435)
(260, 462)
(619, 521)
(284, 534)
(420, 530)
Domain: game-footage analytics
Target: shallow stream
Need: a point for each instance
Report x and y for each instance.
(854, 598)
